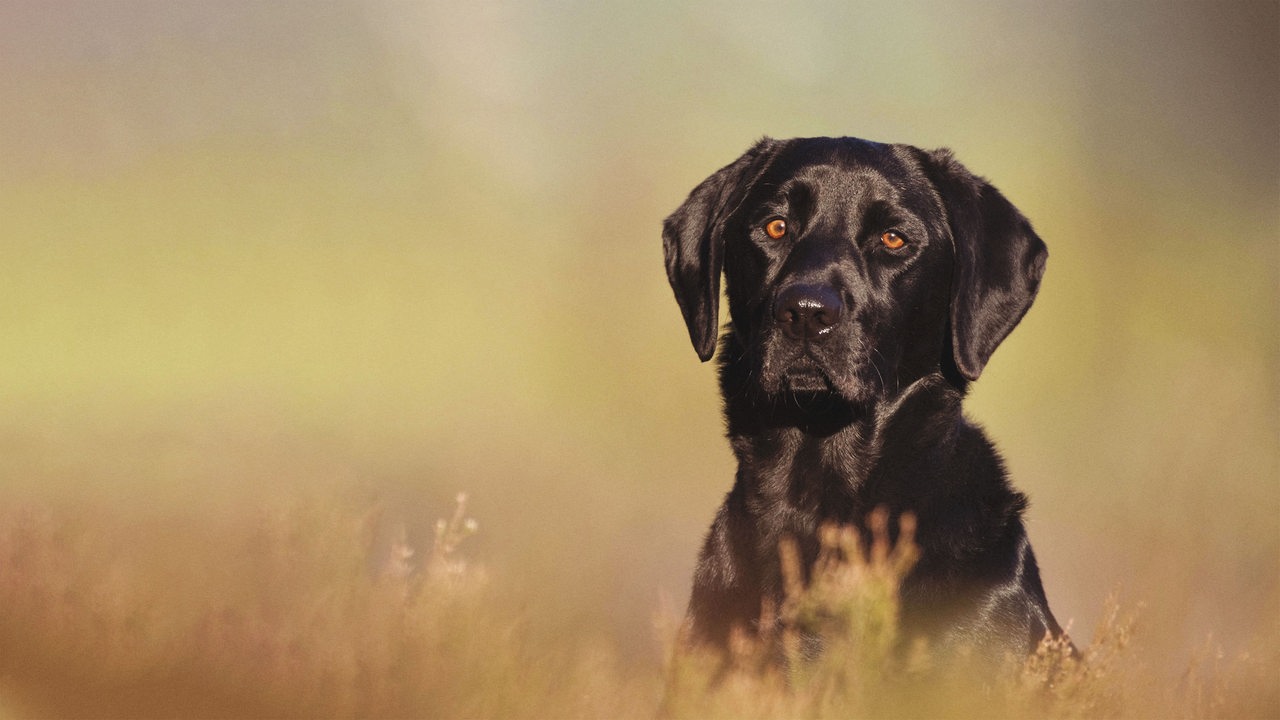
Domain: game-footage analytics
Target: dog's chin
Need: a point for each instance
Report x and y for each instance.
(810, 387)
(808, 383)
(809, 399)
(808, 380)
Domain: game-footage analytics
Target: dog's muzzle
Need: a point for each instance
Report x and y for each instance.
(807, 316)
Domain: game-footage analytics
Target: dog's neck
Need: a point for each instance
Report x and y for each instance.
(819, 460)
(830, 460)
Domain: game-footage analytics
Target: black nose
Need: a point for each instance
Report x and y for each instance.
(807, 312)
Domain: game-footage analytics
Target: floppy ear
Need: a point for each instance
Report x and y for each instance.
(999, 261)
(693, 238)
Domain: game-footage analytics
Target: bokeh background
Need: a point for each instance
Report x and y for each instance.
(391, 251)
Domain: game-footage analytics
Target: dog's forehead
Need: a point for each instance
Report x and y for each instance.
(841, 152)
(842, 164)
(848, 172)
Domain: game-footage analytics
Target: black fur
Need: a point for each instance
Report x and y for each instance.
(843, 368)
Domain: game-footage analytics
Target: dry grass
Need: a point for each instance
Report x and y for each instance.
(283, 617)
(307, 610)
(865, 671)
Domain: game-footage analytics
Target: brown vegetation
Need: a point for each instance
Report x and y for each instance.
(300, 613)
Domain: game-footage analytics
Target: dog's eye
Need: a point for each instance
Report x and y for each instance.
(776, 228)
(893, 240)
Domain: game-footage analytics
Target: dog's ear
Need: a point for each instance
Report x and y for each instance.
(999, 261)
(693, 238)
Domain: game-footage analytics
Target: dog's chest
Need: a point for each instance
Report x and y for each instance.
(806, 480)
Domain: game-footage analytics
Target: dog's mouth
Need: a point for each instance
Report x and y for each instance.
(809, 375)
(806, 377)
(810, 397)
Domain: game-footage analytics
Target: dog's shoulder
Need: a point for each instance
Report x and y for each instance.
(976, 510)
(935, 462)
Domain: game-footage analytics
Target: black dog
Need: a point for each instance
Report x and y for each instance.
(868, 284)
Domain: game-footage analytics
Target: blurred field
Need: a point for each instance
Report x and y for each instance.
(278, 280)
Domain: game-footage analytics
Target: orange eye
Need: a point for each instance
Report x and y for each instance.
(893, 240)
(776, 228)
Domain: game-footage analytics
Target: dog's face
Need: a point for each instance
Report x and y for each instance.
(852, 268)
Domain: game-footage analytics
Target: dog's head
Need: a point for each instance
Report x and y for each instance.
(852, 268)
